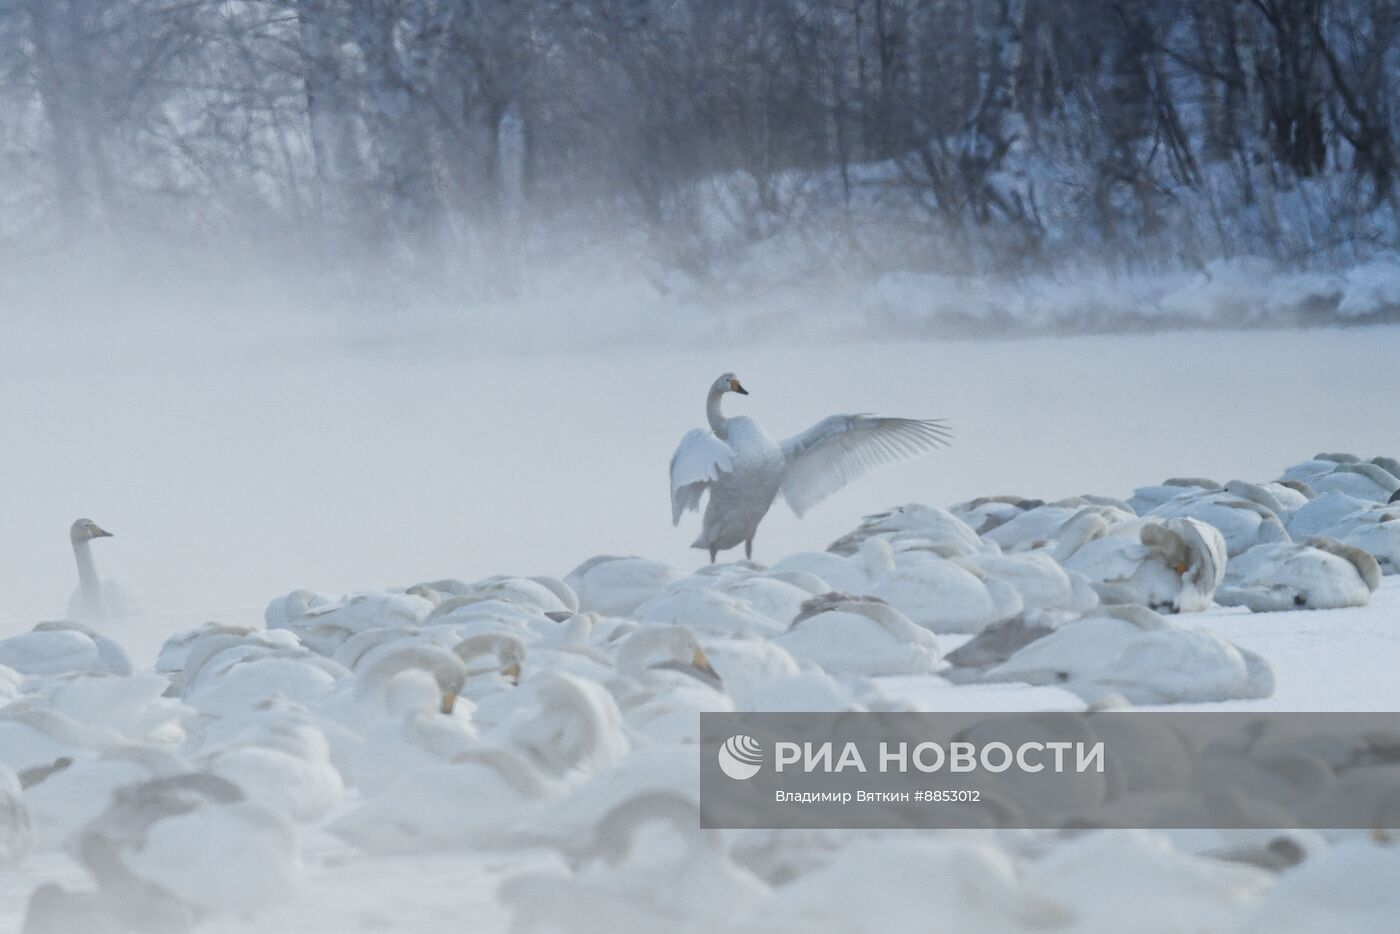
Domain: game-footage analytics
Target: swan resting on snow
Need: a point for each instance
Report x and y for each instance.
(743, 469)
(1170, 565)
(1128, 650)
(1322, 574)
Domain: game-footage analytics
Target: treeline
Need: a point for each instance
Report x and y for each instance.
(936, 134)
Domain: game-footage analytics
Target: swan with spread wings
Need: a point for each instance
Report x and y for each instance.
(743, 469)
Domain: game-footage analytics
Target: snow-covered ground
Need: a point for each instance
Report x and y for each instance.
(234, 469)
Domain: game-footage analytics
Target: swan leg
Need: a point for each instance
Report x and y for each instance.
(713, 551)
(748, 548)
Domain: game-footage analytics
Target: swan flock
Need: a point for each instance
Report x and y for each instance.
(556, 718)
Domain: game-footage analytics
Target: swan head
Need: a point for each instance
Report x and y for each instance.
(85, 530)
(728, 382)
(685, 649)
(509, 652)
(677, 643)
(373, 677)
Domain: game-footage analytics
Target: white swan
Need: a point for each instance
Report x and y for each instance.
(414, 735)
(615, 586)
(1147, 498)
(851, 573)
(711, 611)
(1374, 527)
(286, 768)
(34, 738)
(937, 529)
(1243, 521)
(849, 635)
(527, 596)
(743, 469)
(1172, 565)
(230, 674)
(746, 666)
(64, 796)
(1042, 583)
(1345, 473)
(95, 599)
(176, 648)
(1283, 498)
(987, 512)
(776, 597)
(945, 595)
(155, 838)
(564, 728)
(1061, 527)
(322, 625)
(1148, 659)
(639, 652)
(381, 666)
(1320, 575)
(508, 651)
(132, 705)
(53, 648)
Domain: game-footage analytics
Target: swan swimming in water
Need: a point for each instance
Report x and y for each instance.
(743, 469)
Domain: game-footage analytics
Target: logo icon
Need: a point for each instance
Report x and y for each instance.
(740, 757)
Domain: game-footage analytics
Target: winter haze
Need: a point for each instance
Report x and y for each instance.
(348, 295)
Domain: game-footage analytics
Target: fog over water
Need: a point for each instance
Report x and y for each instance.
(253, 454)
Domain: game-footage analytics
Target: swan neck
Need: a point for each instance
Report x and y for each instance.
(590, 737)
(718, 423)
(578, 628)
(88, 582)
(1082, 529)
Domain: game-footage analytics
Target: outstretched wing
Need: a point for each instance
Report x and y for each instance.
(698, 462)
(842, 448)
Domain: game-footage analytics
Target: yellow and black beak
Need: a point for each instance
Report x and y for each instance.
(512, 671)
(736, 386)
(449, 701)
(703, 663)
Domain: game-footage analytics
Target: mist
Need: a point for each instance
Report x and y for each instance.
(607, 169)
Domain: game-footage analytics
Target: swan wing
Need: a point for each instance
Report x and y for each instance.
(698, 462)
(842, 448)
